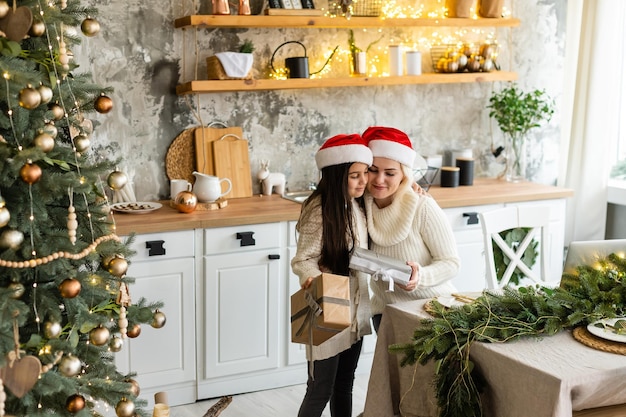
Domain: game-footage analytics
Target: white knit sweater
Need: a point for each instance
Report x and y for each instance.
(305, 264)
(412, 228)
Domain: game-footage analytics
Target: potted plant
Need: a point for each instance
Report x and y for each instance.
(516, 113)
(358, 56)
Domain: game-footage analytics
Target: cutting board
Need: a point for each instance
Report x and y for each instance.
(203, 139)
(231, 160)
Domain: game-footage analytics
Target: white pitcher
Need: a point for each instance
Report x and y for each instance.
(208, 188)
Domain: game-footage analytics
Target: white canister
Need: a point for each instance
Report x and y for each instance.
(395, 60)
(413, 61)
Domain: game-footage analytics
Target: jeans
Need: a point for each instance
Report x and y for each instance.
(333, 379)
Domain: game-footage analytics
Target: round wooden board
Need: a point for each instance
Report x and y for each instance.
(180, 159)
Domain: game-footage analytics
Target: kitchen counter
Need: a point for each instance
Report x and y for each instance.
(267, 209)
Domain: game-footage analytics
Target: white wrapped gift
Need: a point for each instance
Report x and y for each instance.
(381, 267)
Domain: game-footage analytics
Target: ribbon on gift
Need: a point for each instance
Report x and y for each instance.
(384, 275)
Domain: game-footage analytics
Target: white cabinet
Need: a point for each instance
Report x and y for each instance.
(164, 359)
(241, 310)
(469, 237)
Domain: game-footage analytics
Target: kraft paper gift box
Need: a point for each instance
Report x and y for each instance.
(322, 310)
(381, 267)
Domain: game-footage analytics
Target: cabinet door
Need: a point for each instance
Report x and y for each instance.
(164, 358)
(240, 312)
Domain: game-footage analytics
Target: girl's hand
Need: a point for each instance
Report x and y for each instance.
(307, 283)
(414, 280)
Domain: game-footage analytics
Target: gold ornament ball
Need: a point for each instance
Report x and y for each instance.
(57, 111)
(125, 408)
(82, 143)
(70, 365)
(52, 329)
(50, 129)
(18, 290)
(118, 266)
(158, 319)
(44, 141)
(90, 27)
(134, 387)
(37, 29)
(99, 336)
(117, 180)
(5, 216)
(46, 93)
(103, 104)
(11, 239)
(106, 261)
(75, 403)
(29, 98)
(30, 173)
(116, 344)
(185, 202)
(69, 288)
(4, 8)
(134, 331)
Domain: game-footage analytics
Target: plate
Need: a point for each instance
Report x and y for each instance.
(137, 207)
(607, 333)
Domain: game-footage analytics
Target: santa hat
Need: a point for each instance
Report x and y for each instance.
(342, 149)
(390, 143)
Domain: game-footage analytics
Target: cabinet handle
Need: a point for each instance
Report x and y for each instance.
(273, 256)
(246, 238)
(155, 247)
(472, 217)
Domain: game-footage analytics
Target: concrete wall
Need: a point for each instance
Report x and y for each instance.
(143, 57)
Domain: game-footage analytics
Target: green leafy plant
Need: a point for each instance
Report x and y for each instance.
(247, 47)
(593, 293)
(513, 238)
(355, 49)
(516, 113)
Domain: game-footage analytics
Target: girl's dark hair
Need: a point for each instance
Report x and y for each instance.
(337, 228)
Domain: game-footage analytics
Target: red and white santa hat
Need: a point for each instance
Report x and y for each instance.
(390, 143)
(342, 149)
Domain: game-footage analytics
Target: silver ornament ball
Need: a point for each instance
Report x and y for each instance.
(5, 216)
(70, 365)
(116, 343)
(52, 329)
(158, 319)
(11, 239)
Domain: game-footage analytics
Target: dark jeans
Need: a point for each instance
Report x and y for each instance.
(376, 318)
(333, 379)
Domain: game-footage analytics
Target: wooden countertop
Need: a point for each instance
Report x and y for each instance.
(268, 209)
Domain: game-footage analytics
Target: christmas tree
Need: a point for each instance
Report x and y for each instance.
(65, 305)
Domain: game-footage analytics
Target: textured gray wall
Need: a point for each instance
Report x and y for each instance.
(143, 57)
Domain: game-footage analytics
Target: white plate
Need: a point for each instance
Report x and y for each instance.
(607, 333)
(138, 207)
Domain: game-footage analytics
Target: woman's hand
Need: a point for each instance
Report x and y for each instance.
(419, 190)
(414, 280)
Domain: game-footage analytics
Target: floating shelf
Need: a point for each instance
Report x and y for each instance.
(236, 21)
(219, 86)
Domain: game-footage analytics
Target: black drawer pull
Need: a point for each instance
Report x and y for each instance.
(155, 247)
(472, 217)
(246, 238)
(273, 256)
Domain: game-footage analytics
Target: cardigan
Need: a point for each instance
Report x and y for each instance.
(412, 228)
(305, 264)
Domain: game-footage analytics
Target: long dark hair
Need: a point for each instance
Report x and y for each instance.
(338, 235)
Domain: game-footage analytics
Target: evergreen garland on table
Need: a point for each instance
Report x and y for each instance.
(597, 292)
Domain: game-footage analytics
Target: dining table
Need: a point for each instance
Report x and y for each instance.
(546, 376)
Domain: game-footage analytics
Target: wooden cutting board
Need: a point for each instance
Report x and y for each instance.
(231, 160)
(203, 139)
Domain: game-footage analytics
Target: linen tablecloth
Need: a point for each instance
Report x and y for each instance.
(538, 377)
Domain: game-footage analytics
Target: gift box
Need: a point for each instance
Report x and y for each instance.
(321, 311)
(381, 267)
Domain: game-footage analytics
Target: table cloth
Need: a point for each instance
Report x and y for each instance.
(539, 377)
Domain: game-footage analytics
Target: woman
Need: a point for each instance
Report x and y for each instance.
(332, 223)
(404, 224)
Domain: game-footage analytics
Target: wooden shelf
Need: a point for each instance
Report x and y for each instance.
(219, 86)
(236, 21)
